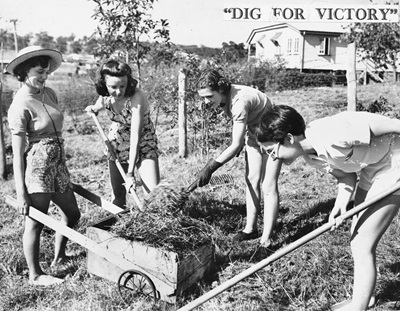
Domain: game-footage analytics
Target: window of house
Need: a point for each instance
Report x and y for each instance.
(275, 38)
(325, 47)
(296, 46)
(289, 46)
(252, 51)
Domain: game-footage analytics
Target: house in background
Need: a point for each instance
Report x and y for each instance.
(308, 47)
(6, 56)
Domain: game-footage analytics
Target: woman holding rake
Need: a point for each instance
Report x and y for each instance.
(345, 145)
(245, 106)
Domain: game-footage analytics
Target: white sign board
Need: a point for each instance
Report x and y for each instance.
(244, 11)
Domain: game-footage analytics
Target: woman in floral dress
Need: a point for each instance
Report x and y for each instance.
(132, 134)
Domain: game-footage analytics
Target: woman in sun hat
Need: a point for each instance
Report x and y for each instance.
(245, 106)
(39, 163)
(347, 145)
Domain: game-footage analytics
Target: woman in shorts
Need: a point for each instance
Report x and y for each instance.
(40, 171)
(347, 145)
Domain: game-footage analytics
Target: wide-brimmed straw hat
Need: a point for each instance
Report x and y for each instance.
(33, 51)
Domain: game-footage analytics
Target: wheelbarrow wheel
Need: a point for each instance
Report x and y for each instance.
(134, 285)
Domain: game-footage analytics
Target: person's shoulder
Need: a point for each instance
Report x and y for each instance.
(139, 92)
(21, 97)
(50, 91)
(139, 95)
(245, 93)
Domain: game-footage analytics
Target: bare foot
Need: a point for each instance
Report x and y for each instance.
(61, 261)
(45, 280)
(265, 243)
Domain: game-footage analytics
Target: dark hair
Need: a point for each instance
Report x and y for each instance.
(21, 70)
(115, 68)
(277, 122)
(212, 79)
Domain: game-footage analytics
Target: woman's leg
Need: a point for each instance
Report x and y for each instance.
(254, 165)
(366, 233)
(117, 184)
(31, 242)
(70, 215)
(149, 173)
(271, 198)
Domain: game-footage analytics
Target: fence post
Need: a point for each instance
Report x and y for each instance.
(3, 167)
(182, 117)
(351, 77)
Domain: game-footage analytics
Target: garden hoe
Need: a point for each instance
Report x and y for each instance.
(115, 158)
(285, 250)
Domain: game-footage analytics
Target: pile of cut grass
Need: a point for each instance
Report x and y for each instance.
(165, 226)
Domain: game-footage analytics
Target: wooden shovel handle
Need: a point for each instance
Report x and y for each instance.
(115, 158)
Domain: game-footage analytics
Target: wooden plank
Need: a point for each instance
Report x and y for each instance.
(112, 208)
(101, 267)
(154, 261)
(193, 267)
(176, 275)
(82, 240)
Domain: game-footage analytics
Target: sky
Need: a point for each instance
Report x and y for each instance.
(192, 22)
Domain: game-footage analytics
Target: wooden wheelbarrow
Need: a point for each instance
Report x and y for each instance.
(141, 271)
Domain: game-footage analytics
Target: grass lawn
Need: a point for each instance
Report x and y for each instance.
(313, 277)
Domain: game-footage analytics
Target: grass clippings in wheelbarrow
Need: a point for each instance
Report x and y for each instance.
(168, 195)
(166, 228)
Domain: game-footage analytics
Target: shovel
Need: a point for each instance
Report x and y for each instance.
(115, 158)
(285, 250)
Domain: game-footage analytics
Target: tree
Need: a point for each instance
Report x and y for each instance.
(161, 55)
(379, 42)
(126, 26)
(233, 52)
(76, 47)
(91, 44)
(45, 40)
(7, 38)
(62, 44)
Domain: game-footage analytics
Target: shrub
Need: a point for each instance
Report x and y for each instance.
(380, 106)
(293, 79)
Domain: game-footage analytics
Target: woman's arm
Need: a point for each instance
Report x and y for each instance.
(381, 125)
(99, 105)
(346, 186)
(18, 145)
(138, 107)
(238, 132)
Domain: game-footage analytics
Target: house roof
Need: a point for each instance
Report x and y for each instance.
(334, 29)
